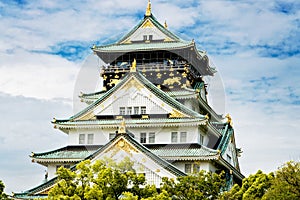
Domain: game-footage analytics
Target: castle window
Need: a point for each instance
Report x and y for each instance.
(150, 37)
(111, 136)
(143, 110)
(144, 37)
(143, 137)
(196, 168)
(129, 110)
(183, 137)
(201, 139)
(81, 138)
(90, 139)
(188, 168)
(136, 110)
(151, 137)
(174, 136)
(122, 111)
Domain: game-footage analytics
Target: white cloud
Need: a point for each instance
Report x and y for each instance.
(37, 75)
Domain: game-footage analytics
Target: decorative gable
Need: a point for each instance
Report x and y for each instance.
(129, 94)
(145, 162)
(147, 32)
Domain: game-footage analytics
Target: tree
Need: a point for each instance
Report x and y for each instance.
(102, 180)
(253, 187)
(286, 184)
(202, 185)
(2, 194)
(282, 184)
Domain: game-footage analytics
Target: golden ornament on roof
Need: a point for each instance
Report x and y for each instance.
(148, 10)
(133, 66)
(122, 128)
(229, 119)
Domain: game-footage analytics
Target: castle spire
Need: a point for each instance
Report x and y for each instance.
(148, 10)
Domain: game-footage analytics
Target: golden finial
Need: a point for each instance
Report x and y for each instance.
(133, 66)
(166, 25)
(122, 128)
(206, 116)
(229, 119)
(148, 10)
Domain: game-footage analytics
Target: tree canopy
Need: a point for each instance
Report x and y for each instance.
(2, 194)
(282, 184)
(109, 180)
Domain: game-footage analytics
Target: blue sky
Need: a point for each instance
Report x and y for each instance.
(43, 45)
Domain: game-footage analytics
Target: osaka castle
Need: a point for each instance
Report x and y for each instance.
(153, 108)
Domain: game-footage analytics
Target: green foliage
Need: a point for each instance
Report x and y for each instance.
(102, 180)
(283, 184)
(203, 185)
(2, 194)
(286, 184)
(253, 187)
(109, 180)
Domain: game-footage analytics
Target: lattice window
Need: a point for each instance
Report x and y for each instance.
(188, 168)
(174, 137)
(183, 137)
(151, 137)
(143, 137)
(122, 111)
(136, 110)
(143, 110)
(90, 139)
(81, 138)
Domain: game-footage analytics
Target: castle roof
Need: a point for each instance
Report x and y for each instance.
(138, 39)
(132, 79)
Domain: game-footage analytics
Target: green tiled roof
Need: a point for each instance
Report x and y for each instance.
(91, 97)
(163, 150)
(183, 151)
(143, 46)
(68, 152)
(131, 123)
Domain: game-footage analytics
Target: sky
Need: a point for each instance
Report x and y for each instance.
(45, 60)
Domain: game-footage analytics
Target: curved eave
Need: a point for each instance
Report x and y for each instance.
(213, 130)
(213, 114)
(190, 158)
(188, 94)
(151, 46)
(110, 53)
(185, 94)
(145, 123)
(55, 160)
(235, 171)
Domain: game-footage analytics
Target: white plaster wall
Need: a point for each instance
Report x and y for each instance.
(162, 135)
(204, 165)
(138, 34)
(101, 136)
(230, 151)
(51, 171)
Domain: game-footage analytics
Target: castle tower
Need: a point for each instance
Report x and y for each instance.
(152, 108)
